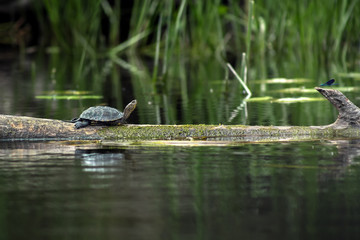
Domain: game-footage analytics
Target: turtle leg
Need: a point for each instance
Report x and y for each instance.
(122, 121)
(74, 120)
(81, 124)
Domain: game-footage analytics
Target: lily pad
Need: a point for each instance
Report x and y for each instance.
(312, 90)
(355, 75)
(260, 99)
(66, 92)
(298, 100)
(284, 80)
(68, 97)
(296, 90)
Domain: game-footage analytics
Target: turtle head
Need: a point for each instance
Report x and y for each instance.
(129, 108)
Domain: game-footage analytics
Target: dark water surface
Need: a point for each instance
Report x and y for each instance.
(298, 190)
(32, 88)
(57, 190)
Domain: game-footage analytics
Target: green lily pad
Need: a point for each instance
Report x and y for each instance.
(68, 97)
(283, 80)
(298, 100)
(296, 90)
(312, 90)
(355, 75)
(66, 92)
(260, 99)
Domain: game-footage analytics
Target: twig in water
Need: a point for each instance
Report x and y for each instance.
(240, 80)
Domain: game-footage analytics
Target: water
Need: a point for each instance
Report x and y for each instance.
(208, 98)
(57, 190)
(289, 190)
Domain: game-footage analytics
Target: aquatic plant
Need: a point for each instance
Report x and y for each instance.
(176, 51)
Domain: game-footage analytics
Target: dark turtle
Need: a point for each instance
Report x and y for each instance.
(102, 115)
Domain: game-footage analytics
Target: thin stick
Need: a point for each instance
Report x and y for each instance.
(239, 78)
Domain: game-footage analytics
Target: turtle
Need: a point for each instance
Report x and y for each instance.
(103, 115)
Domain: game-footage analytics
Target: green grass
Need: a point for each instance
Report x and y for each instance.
(313, 34)
(186, 45)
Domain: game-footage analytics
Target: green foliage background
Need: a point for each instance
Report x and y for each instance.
(171, 55)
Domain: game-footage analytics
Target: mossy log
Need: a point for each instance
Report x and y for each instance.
(28, 128)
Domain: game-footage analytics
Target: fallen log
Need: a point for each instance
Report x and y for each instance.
(29, 128)
(349, 113)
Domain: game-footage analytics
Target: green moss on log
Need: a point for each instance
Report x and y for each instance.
(171, 132)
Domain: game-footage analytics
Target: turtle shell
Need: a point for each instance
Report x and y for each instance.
(101, 114)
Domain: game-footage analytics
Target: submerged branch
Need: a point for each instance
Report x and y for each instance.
(28, 128)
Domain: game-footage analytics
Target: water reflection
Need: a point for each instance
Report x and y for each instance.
(348, 150)
(100, 160)
(282, 190)
(210, 100)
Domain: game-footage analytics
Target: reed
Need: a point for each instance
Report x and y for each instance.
(310, 31)
(190, 42)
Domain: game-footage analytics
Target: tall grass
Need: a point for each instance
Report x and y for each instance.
(308, 32)
(313, 34)
(189, 42)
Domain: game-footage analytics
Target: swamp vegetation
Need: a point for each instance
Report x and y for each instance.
(175, 57)
(172, 56)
